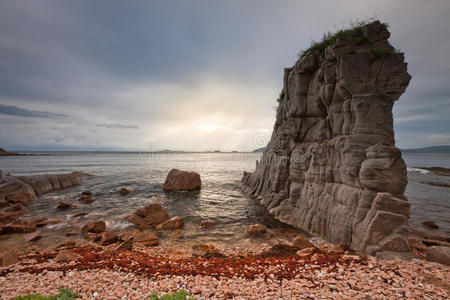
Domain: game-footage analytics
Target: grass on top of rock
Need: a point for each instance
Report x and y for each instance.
(180, 295)
(355, 33)
(281, 96)
(64, 294)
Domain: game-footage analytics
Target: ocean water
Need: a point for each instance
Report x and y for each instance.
(219, 199)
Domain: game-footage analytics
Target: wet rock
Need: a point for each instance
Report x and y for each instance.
(206, 250)
(439, 254)
(8, 217)
(8, 258)
(146, 238)
(67, 256)
(94, 227)
(124, 191)
(331, 166)
(280, 250)
(178, 180)
(45, 183)
(172, 224)
(66, 244)
(255, 229)
(80, 214)
(72, 233)
(18, 226)
(430, 224)
(86, 193)
(302, 242)
(35, 238)
(148, 216)
(63, 205)
(85, 199)
(17, 208)
(437, 170)
(437, 183)
(13, 191)
(108, 238)
(205, 224)
(176, 233)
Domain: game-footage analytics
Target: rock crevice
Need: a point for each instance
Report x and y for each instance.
(331, 166)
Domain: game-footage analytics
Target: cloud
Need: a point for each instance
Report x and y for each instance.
(22, 112)
(118, 126)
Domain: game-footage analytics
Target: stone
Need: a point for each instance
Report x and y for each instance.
(302, 242)
(86, 193)
(63, 205)
(205, 224)
(8, 258)
(67, 256)
(126, 245)
(108, 238)
(306, 252)
(439, 254)
(72, 233)
(86, 199)
(146, 238)
(148, 216)
(430, 224)
(331, 166)
(66, 244)
(17, 208)
(123, 191)
(255, 229)
(172, 224)
(178, 180)
(18, 226)
(13, 191)
(35, 238)
(338, 249)
(94, 227)
(80, 214)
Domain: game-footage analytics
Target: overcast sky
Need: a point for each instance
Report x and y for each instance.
(192, 75)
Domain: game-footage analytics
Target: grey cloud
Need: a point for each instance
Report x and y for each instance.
(118, 126)
(22, 112)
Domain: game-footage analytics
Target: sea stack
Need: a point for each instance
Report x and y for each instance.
(331, 166)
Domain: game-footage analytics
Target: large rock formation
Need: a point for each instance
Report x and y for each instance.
(24, 189)
(331, 166)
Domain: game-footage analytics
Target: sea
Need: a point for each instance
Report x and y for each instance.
(219, 200)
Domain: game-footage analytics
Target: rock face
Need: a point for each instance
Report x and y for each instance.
(178, 180)
(331, 166)
(24, 189)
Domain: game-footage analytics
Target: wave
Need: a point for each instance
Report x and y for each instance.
(417, 170)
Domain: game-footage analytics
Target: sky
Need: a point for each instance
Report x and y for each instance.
(192, 75)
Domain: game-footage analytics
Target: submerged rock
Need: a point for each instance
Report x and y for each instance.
(65, 205)
(182, 181)
(331, 166)
(439, 254)
(430, 224)
(123, 191)
(94, 227)
(205, 224)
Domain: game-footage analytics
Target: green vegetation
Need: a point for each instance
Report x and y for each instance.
(64, 294)
(281, 96)
(354, 33)
(180, 295)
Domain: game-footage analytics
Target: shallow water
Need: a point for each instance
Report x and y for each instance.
(219, 199)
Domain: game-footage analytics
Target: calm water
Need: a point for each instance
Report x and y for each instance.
(219, 199)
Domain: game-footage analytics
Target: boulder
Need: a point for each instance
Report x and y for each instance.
(65, 256)
(148, 216)
(430, 224)
(439, 254)
(94, 227)
(205, 224)
(178, 180)
(331, 166)
(302, 242)
(123, 191)
(13, 191)
(63, 205)
(8, 258)
(18, 226)
(255, 229)
(172, 224)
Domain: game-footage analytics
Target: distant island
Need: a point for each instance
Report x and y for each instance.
(431, 149)
(259, 150)
(3, 152)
